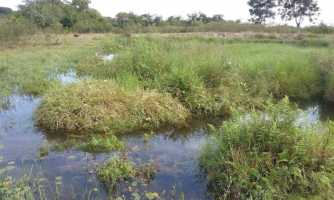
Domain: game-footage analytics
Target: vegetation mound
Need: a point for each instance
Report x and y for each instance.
(102, 105)
(270, 155)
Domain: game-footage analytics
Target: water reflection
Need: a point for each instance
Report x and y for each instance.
(318, 108)
(175, 147)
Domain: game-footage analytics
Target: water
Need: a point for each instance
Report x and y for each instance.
(108, 57)
(175, 147)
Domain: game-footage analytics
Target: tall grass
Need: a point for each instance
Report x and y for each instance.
(103, 106)
(269, 155)
(208, 76)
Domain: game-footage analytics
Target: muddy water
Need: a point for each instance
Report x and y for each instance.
(173, 146)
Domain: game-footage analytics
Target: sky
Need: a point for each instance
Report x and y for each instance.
(231, 9)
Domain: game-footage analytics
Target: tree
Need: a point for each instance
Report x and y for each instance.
(81, 5)
(175, 20)
(122, 18)
(218, 18)
(298, 10)
(45, 13)
(5, 11)
(261, 10)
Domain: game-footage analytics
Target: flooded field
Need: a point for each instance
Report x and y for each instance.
(71, 174)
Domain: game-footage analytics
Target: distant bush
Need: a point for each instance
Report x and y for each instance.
(322, 28)
(15, 31)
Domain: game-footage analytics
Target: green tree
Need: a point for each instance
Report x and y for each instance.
(122, 18)
(81, 5)
(218, 18)
(298, 10)
(44, 13)
(175, 20)
(261, 10)
(5, 11)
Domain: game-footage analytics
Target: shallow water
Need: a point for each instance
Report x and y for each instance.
(173, 146)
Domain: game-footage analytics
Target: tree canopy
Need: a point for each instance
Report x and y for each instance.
(261, 10)
(288, 9)
(5, 11)
(298, 10)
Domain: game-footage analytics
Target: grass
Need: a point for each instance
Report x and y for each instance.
(205, 76)
(27, 69)
(93, 145)
(103, 105)
(101, 145)
(31, 184)
(269, 155)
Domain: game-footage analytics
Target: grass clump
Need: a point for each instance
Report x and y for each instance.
(102, 105)
(101, 145)
(269, 155)
(115, 170)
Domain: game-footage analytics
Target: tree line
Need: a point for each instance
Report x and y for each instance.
(76, 15)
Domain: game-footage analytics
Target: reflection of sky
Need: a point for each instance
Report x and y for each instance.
(172, 146)
(108, 57)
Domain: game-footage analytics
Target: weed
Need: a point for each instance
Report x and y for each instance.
(116, 170)
(269, 155)
(43, 150)
(99, 145)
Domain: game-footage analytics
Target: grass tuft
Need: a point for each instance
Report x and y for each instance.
(103, 105)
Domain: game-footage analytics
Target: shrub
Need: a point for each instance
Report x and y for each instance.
(269, 155)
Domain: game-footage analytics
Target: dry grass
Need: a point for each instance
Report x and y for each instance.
(104, 106)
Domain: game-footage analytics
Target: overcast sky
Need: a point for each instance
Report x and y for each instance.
(231, 9)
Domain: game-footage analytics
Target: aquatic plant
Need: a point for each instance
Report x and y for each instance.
(31, 184)
(116, 169)
(100, 145)
(268, 155)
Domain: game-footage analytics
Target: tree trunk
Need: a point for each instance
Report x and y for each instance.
(298, 27)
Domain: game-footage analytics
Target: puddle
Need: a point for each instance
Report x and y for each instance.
(68, 77)
(173, 146)
(108, 57)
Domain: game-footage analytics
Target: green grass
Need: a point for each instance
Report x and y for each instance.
(102, 145)
(208, 76)
(27, 69)
(269, 155)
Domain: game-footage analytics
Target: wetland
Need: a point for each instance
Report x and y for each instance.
(141, 124)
